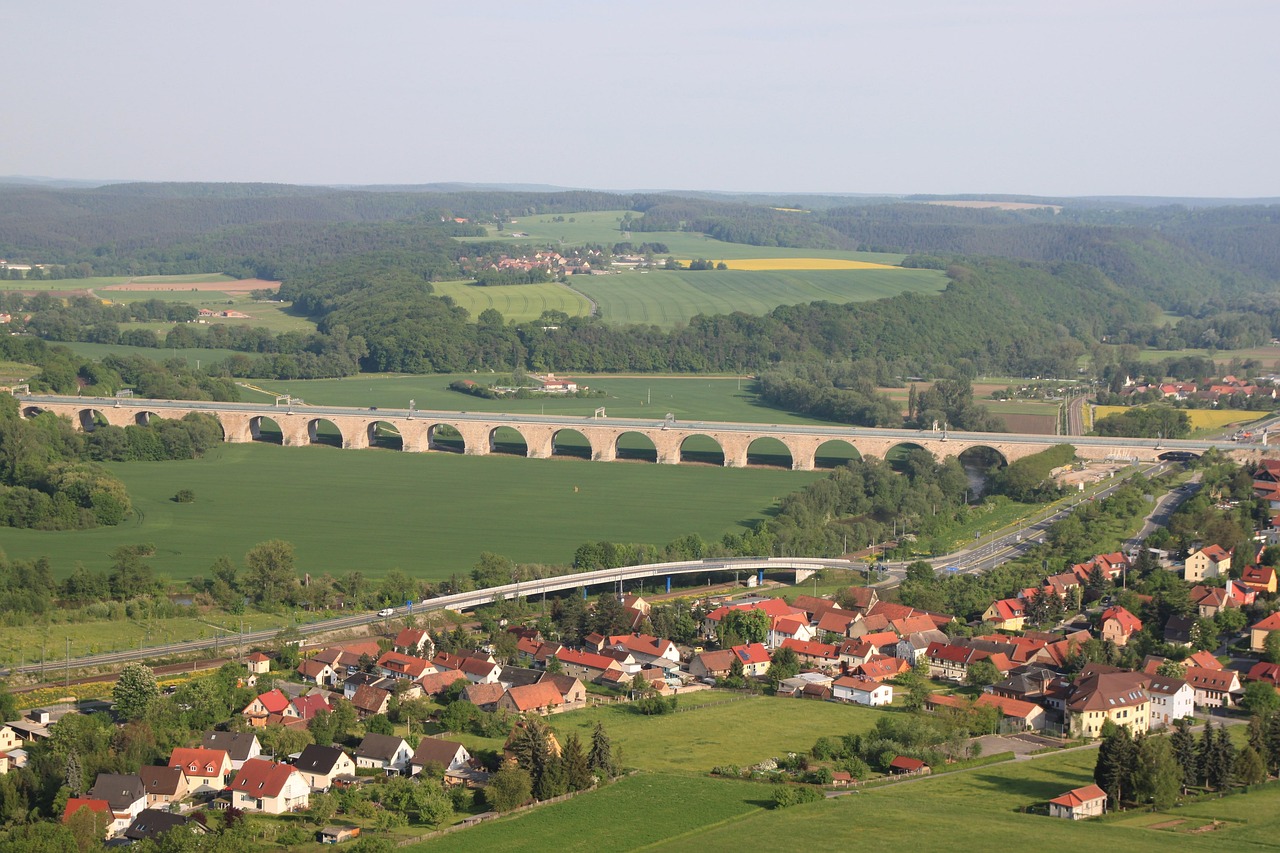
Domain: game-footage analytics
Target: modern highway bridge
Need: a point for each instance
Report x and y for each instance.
(542, 434)
(802, 566)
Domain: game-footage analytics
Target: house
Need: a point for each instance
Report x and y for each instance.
(951, 662)
(125, 795)
(318, 766)
(1118, 625)
(1211, 562)
(881, 668)
(1171, 700)
(306, 707)
(239, 746)
(101, 809)
(818, 654)
(447, 754)
(483, 696)
(1214, 688)
(789, 627)
(861, 598)
(754, 657)
(338, 834)
(1089, 801)
(772, 607)
(9, 738)
(1258, 632)
(414, 642)
(1018, 714)
(814, 606)
(369, 700)
(205, 769)
(269, 787)
(646, 649)
(1007, 614)
(163, 785)
(861, 691)
(586, 665)
(150, 824)
(1028, 683)
(271, 702)
(1180, 630)
(835, 620)
(258, 664)
(630, 666)
(911, 647)
(542, 698)
(435, 683)
(383, 752)
(397, 665)
(904, 766)
(317, 672)
(711, 664)
(573, 693)
(1105, 693)
(1259, 578)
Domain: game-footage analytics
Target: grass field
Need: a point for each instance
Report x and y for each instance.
(191, 356)
(689, 398)
(961, 812)
(668, 297)
(429, 514)
(16, 371)
(774, 264)
(63, 284)
(516, 302)
(710, 735)
(602, 227)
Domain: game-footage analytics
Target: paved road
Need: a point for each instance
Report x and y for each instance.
(1075, 415)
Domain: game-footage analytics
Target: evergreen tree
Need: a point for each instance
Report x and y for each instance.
(1249, 767)
(1157, 777)
(1184, 750)
(1204, 754)
(601, 758)
(1223, 765)
(1272, 755)
(1116, 757)
(75, 774)
(577, 768)
(1258, 734)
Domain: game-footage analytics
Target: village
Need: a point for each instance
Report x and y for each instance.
(320, 730)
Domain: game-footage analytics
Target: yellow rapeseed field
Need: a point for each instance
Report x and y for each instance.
(1200, 418)
(774, 264)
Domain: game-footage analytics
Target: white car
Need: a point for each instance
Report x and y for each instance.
(386, 611)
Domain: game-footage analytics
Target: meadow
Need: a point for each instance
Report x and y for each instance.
(430, 514)
(964, 811)
(602, 227)
(670, 297)
(517, 302)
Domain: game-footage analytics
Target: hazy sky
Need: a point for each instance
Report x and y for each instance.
(941, 96)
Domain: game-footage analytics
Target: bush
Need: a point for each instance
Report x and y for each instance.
(794, 795)
(184, 496)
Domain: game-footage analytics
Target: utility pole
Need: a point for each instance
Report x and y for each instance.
(67, 674)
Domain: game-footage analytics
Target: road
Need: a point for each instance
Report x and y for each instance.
(1075, 415)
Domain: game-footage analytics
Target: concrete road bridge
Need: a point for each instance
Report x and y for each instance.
(475, 433)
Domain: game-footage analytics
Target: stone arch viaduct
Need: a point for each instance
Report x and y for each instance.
(476, 433)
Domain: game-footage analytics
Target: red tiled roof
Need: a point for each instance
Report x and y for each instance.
(837, 621)
(1080, 796)
(75, 804)
(1216, 553)
(261, 778)
(308, 706)
(811, 649)
(1260, 575)
(1127, 622)
(1204, 660)
(1271, 623)
(437, 682)
(1268, 672)
(274, 701)
(541, 694)
(752, 653)
(587, 659)
(198, 761)
(902, 762)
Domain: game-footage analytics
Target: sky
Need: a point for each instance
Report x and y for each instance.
(1165, 98)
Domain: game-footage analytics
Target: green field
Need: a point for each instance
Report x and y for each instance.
(966, 811)
(190, 356)
(712, 735)
(602, 227)
(667, 298)
(429, 514)
(518, 302)
(63, 284)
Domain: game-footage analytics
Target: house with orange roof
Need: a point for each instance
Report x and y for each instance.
(1007, 614)
(837, 621)
(647, 649)
(397, 665)
(271, 702)
(540, 698)
(951, 662)
(269, 787)
(1262, 671)
(854, 652)
(815, 607)
(205, 769)
(754, 657)
(414, 642)
(881, 667)
(1103, 693)
(1089, 801)
(773, 607)
(794, 627)
(435, 683)
(1211, 562)
(587, 666)
(820, 654)
(1259, 630)
(100, 809)
(711, 664)
(1118, 625)
(861, 691)
(1214, 688)
(1259, 578)
(258, 663)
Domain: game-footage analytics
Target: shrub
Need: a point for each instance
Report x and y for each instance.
(184, 496)
(794, 795)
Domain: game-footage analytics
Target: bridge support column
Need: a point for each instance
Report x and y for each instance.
(538, 443)
(668, 583)
(295, 432)
(356, 439)
(413, 439)
(803, 460)
(735, 449)
(803, 575)
(235, 428)
(736, 458)
(602, 449)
